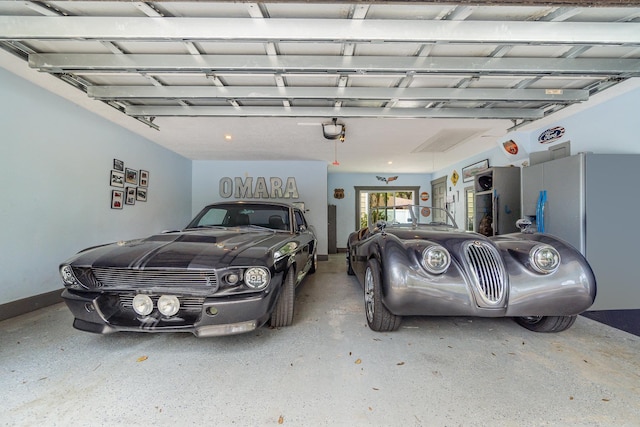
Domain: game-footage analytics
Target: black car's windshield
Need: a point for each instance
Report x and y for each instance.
(235, 215)
(412, 215)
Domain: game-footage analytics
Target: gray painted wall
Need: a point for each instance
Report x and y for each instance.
(310, 176)
(55, 161)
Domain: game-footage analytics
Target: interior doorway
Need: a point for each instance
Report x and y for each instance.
(369, 197)
(439, 197)
(470, 213)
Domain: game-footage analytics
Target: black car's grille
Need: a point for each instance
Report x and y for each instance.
(196, 281)
(488, 273)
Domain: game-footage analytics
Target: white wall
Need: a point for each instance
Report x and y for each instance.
(310, 177)
(55, 161)
(608, 123)
(346, 207)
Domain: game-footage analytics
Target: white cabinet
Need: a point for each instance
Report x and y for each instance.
(497, 200)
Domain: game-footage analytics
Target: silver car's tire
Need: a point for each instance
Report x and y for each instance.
(350, 271)
(546, 323)
(378, 317)
(283, 312)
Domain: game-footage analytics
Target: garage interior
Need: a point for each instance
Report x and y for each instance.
(344, 98)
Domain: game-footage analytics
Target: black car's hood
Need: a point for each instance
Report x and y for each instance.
(210, 248)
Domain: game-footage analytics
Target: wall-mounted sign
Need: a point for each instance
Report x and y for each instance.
(338, 193)
(424, 196)
(551, 135)
(510, 147)
(387, 180)
(455, 177)
(260, 189)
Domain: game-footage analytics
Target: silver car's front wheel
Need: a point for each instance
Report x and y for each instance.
(369, 296)
(378, 317)
(546, 323)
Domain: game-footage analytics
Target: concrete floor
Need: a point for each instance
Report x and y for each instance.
(327, 369)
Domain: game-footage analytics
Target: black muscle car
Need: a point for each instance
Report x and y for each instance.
(414, 261)
(232, 269)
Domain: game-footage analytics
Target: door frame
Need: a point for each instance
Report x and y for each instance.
(380, 189)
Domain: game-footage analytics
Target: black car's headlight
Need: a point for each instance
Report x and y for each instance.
(544, 259)
(69, 278)
(257, 277)
(436, 259)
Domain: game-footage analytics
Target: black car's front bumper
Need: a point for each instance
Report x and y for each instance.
(106, 313)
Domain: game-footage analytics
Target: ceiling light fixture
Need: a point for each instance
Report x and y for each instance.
(228, 137)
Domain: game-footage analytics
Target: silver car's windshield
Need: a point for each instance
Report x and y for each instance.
(411, 216)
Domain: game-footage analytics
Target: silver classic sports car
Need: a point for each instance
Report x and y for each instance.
(414, 261)
(232, 269)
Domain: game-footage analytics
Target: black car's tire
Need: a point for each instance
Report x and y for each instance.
(378, 317)
(546, 323)
(283, 312)
(350, 271)
(314, 263)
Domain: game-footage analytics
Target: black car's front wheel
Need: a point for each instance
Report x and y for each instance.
(283, 312)
(546, 323)
(378, 317)
(314, 262)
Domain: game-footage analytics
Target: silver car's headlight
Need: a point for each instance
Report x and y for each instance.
(436, 259)
(544, 259)
(257, 277)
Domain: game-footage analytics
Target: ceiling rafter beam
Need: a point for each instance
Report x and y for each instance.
(240, 111)
(62, 62)
(308, 92)
(316, 30)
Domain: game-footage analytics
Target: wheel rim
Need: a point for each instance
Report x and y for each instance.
(369, 295)
(531, 320)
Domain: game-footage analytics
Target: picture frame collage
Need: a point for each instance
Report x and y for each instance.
(133, 182)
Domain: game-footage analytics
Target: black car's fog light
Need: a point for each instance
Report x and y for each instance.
(212, 311)
(168, 305)
(142, 304)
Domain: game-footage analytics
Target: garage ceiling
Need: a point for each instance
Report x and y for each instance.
(417, 85)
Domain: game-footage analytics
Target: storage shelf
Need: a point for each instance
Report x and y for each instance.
(499, 204)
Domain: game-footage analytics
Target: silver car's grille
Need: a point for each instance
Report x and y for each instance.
(133, 279)
(488, 273)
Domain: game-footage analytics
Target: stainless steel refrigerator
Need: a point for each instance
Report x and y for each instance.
(592, 201)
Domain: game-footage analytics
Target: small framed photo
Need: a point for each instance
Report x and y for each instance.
(131, 176)
(118, 165)
(469, 172)
(141, 194)
(116, 179)
(131, 196)
(144, 178)
(117, 199)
